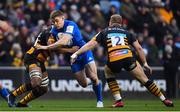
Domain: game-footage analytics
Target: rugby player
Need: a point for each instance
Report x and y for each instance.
(34, 62)
(117, 42)
(68, 34)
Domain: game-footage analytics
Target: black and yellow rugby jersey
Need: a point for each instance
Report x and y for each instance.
(43, 38)
(116, 42)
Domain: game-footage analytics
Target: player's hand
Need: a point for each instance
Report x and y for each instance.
(147, 68)
(74, 49)
(38, 46)
(73, 58)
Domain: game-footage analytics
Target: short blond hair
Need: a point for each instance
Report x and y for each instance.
(116, 18)
(56, 13)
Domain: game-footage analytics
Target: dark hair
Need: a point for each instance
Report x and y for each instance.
(116, 18)
(56, 13)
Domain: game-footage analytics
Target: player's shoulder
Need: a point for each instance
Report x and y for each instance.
(70, 23)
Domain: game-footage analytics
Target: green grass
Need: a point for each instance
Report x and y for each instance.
(89, 105)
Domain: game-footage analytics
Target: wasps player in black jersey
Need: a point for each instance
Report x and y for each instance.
(117, 42)
(34, 62)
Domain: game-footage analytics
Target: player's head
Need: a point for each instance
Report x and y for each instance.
(57, 18)
(115, 19)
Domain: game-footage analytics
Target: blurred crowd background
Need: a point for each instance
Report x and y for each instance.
(155, 23)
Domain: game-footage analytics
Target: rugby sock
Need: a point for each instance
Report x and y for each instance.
(35, 93)
(4, 92)
(98, 91)
(152, 87)
(22, 89)
(27, 98)
(114, 87)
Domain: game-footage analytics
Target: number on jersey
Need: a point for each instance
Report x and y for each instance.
(117, 38)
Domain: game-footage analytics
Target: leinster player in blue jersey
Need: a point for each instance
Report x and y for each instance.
(67, 33)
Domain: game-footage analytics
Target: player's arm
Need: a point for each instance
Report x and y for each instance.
(141, 55)
(88, 46)
(68, 50)
(73, 49)
(61, 42)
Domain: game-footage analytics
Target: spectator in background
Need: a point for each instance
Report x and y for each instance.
(98, 16)
(152, 56)
(113, 10)
(175, 5)
(74, 13)
(17, 54)
(174, 28)
(154, 15)
(3, 28)
(170, 64)
(99, 56)
(87, 32)
(5, 46)
(128, 11)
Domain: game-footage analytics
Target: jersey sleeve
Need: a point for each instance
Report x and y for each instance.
(132, 39)
(98, 37)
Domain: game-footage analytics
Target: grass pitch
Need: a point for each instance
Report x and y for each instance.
(90, 105)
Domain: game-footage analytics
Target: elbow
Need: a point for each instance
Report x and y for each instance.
(139, 49)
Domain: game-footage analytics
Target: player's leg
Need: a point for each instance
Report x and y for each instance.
(81, 78)
(113, 86)
(139, 74)
(35, 77)
(78, 68)
(79, 73)
(4, 92)
(36, 92)
(91, 72)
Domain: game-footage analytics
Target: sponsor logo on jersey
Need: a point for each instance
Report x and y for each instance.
(118, 53)
(69, 29)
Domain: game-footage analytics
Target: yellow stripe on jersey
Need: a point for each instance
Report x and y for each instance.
(118, 47)
(109, 44)
(30, 51)
(109, 40)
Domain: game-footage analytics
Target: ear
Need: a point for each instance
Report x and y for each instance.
(63, 17)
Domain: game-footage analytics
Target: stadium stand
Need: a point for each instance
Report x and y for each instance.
(149, 20)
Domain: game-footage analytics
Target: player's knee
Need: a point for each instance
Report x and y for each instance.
(108, 76)
(95, 80)
(35, 82)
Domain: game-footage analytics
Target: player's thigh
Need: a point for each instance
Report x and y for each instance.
(91, 70)
(139, 74)
(81, 78)
(108, 72)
